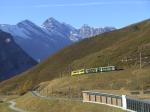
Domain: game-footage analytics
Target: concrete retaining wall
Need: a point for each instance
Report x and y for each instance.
(117, 101)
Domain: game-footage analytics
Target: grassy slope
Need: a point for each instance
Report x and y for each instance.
(35, 104)
(97, 51)
(4, 107)
(121, 80)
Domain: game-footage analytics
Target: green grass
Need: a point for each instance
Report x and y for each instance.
(35, 104)
(4, 107)
(108, 48)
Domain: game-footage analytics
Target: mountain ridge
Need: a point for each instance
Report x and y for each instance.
(47, 38)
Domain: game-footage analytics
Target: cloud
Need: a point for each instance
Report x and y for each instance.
(137, 2)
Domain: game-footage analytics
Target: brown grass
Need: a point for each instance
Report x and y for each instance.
(127, 80)
(35, 104)
(4, 107)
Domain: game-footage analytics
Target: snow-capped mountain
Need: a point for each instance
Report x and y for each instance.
(72, 33)
(42, 41)
(38, 42)
(86, 31)
(55, 26)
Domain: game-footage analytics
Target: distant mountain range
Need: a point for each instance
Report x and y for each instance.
(13, 60)
(42, 41)
(108, 48)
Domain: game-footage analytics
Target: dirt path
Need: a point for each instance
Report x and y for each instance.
(14, 108)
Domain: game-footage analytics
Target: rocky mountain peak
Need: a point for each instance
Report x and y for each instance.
(51, 23)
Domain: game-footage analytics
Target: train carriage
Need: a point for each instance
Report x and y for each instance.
(92, 70)
(78, 72)
(106, 69)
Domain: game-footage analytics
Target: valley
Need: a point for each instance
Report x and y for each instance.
(52, 66)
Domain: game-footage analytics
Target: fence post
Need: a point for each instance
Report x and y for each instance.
(124, 102)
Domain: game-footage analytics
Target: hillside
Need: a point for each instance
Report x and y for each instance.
(13, 60)
(125, 81)
(108, 48)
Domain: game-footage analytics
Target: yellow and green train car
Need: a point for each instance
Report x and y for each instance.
(91, 70)
(78, 72)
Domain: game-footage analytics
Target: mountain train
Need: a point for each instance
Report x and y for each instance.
(93, 70)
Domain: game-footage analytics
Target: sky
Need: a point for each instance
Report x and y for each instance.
(96, 13)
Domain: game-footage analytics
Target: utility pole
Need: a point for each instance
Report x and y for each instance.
(69, 69)
(141, 67)
(140, 60)
(108, 60)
